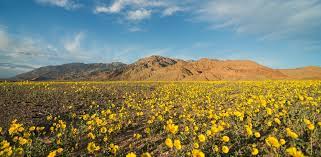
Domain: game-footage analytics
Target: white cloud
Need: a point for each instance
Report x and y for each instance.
(137, 10)
(268, 18)
(138, 15)
(135, 29)
(116, 7)
(171, 10)
(4, 39)
(67, 4)
(74, 45)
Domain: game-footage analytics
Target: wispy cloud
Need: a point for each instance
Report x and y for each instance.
(172, 10)
(135, 29)
(138, 15)
(137, 10)
(16, 66)
(270, 19)
(119, 5)
(74, 45)
(66, 4)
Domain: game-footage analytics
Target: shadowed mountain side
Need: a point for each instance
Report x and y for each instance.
(158, 68)
(72, 71)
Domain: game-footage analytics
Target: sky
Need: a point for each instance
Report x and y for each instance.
(275, 33)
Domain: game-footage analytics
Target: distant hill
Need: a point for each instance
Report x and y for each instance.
(72, 71)
(158, 68)
(309, 72)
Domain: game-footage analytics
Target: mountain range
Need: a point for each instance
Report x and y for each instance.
(158, 68)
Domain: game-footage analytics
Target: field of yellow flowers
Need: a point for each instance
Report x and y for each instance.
(244, 118)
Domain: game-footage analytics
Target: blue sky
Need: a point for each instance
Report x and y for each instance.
(275, 33)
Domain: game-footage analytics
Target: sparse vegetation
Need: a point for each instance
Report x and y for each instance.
(244, 118)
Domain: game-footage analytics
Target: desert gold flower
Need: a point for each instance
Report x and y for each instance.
(257, 134)
(137, 136)
(177, 144)
(52, 154)
(225, 139)
(103, 130)
(282, 141)
(272, 141)
(32, 128)
(113, 148)
(269, 111)
(22, 141)
(215, 148)
(91, 135)
(49, 117)
(311, 127)
(59, 150)
(131, 154)
(249, 131)
(169, 143)
(91, 147)
(197, 153)
(255, 151)
(201, 138)
(146, 155)
(208, 133)
(292, 151)
(172, 128)
(225, 149)
(277, 121)
(290, 133)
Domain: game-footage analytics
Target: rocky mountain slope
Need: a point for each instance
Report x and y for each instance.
(158, 68)
(72, 71)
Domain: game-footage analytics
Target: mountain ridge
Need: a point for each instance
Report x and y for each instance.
(159, 68)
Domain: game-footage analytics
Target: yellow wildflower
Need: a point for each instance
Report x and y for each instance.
(225, 149)
(269, 111)
(272, 141)
(225, 139)
(169, 143)
(146, 155)
(91, 147)
(52, 154)
(22, 141)
(32, 128)
(177, 144)
(291, 133)
(197, 153)
(311, 127)
(255, 151)
(196, 145)
(292, 151)
(215, 148)
(91, 135)
(59, 150)
(277, 121)
(172, 128)
(201, 138)
(282, 141)
(103, 130)
(131, 154)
